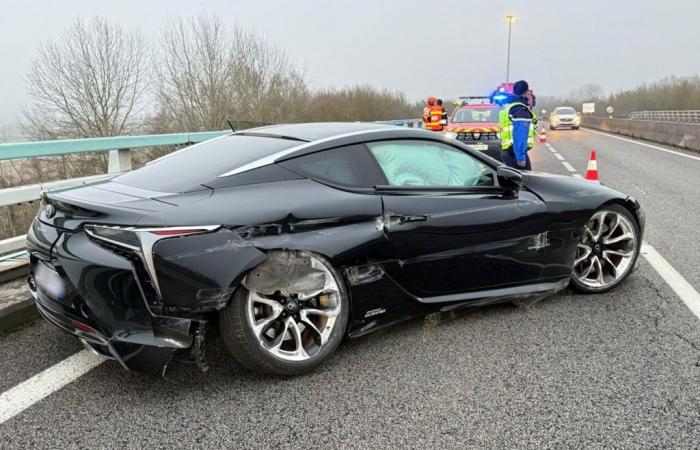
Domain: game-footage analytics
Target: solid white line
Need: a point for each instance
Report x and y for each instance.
(43, 384)
(577, 175)
(655, 147)
(559, 156)
(682, 288)
(568, 166)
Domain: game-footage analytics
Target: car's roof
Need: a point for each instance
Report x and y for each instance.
(313, 131)
(321, 136)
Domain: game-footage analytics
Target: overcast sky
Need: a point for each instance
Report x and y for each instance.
(443, 48)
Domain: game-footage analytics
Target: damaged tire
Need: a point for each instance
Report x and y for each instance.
(289, 314)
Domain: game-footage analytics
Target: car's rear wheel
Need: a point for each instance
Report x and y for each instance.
(607, 250)
(290, 328)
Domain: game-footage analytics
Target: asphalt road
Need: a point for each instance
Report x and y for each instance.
(616, 370)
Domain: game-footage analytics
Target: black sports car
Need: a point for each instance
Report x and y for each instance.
(291, 237)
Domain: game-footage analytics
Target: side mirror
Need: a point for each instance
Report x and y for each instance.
(509, 179)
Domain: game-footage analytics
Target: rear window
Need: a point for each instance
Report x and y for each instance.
(350, 166)
(189, 168)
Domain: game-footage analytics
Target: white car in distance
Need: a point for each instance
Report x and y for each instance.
(564, 116)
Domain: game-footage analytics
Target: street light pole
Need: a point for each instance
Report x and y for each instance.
(510, 20)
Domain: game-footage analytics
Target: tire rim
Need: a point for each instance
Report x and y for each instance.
(605, 250)
(295, 326)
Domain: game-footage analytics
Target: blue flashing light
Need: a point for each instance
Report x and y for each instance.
(498, 97)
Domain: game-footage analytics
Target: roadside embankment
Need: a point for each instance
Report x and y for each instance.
(682, 135)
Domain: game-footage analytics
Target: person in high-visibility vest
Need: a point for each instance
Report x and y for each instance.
(517, 122)
(436, 112)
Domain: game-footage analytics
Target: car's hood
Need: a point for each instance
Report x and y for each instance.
(560, 188)
(564, 116)
(473, 127)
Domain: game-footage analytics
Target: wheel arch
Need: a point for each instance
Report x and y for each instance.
(630, 204)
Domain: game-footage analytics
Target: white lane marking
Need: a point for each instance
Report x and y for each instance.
(675, 280)
(548, 144)
(568, 166)
(552, 149)
(578, 175)
(559, 157)
(655, 147)
(43, 384)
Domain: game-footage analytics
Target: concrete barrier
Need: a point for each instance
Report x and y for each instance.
(682, 135)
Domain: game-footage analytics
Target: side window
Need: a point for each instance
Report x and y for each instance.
(426, 163)
(350, 166)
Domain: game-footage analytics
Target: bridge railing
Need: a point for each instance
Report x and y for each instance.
(685, 116)
(119, 148)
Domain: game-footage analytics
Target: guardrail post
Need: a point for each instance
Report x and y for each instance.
(119, 160)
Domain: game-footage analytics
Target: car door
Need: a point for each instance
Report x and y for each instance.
(450, 223)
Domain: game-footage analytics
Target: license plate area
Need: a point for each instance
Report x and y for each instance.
(480, 147)
(49, 282)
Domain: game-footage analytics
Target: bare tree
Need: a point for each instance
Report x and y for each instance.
(266, 80)
(587, 92)
(209, 73)
(4, 133)
(93, 81)
(193, 91)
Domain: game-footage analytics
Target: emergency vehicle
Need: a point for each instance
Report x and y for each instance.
(475, 123)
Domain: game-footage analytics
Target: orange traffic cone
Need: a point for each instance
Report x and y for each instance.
(592, 169)
(543, 136)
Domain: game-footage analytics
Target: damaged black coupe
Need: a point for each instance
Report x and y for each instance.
(288, 238)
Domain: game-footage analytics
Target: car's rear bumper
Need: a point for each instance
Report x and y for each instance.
(97, 296)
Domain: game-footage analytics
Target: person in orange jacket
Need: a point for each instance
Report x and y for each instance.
(429, 103)
(434, 115)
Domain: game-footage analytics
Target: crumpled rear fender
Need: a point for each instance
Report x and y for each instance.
(201, 271)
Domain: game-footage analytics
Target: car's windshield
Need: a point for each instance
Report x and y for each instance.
(565, 111)
(475, 115)
(187, 169)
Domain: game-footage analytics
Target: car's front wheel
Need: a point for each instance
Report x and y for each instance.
(607, 249)
(288, 316)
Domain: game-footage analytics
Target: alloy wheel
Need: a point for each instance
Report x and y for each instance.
(605, 250)
(295, 326)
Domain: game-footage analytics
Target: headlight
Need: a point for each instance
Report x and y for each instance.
(450, 135)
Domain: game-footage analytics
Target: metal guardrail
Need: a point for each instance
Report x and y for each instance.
(685, 116)
(119, 147)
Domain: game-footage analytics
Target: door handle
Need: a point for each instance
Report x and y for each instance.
(407, 219)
